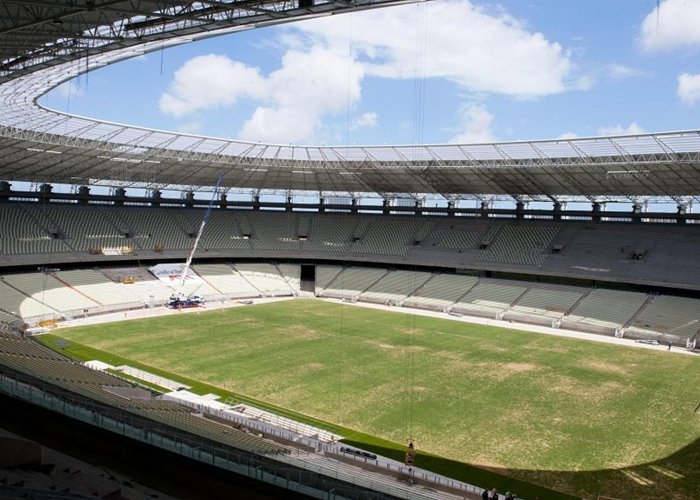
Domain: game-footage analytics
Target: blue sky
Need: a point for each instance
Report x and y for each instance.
(436, 72)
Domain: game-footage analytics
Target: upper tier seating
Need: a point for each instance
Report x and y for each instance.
(522, 244)
(649, 254)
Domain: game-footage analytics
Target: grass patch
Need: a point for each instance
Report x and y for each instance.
(560, 413)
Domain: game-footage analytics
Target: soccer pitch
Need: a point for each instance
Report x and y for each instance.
(578, 416)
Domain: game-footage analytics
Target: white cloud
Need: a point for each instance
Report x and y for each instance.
(481, 52)
(632, 129)
(369, 119)
(205, 82)
(620, 71)
(321, 74)
(671, 25)
(689, 88)
(476, 125)
(309, 85)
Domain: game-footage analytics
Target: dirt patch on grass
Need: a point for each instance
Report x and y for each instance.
(395, 351)
(311, 367)
(593, 393)
(605, 367)
(301, 332)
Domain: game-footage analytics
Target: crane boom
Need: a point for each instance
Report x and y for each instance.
(188, 262)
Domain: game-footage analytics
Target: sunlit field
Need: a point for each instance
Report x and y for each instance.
(581, 417)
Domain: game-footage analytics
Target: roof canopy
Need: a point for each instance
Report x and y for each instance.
(41, 44)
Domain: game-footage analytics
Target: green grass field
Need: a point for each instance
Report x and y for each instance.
(580, 417)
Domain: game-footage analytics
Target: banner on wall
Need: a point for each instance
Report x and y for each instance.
(169, 274)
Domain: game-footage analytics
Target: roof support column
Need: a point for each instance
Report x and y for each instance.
(557, 210)
(595, 210)
(5, 191)
(83, 195)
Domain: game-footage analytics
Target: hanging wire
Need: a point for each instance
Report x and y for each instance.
(421, 50)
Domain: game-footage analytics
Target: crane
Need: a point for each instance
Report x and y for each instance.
(178, 299)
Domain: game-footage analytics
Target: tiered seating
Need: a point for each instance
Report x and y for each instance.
(274, 231)
(146, 288)
(44, 288)
(596, 251)
(394, 286)
(679, 316)
(488, 298)
(329, 234)
(325, 276)
(153, 227)
(228, 281)
(351, 281)
(221, 232)
(456, 239)
(388, 236)
(266, 278)
(552, 302)
(18, 304)
(522, 244)
(7, 319)
(200, 287)
(214, 431)
(441, 291)
(188, 220)
(85, 228)
(27, 357)
(292, 273)
(21, 234)
(96, 286)
(605, 310)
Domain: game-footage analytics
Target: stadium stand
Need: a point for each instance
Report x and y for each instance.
(604, 310)
(351, 281)
(28, 357)
(603, 252)
(489, 298)
(16, 304)
(440, 291)
(325, 275)
(388, 235)
(227, 280)
(329, 234)
(544, 304)
(223, 233)
(21, 234)
(394, 286)
(291, 273)
(674, 316)
(519, 244)
(266, 278)
(46, 289)
(97, 287)
(274, 231)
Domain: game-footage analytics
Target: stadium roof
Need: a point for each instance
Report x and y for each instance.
(44, 43)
